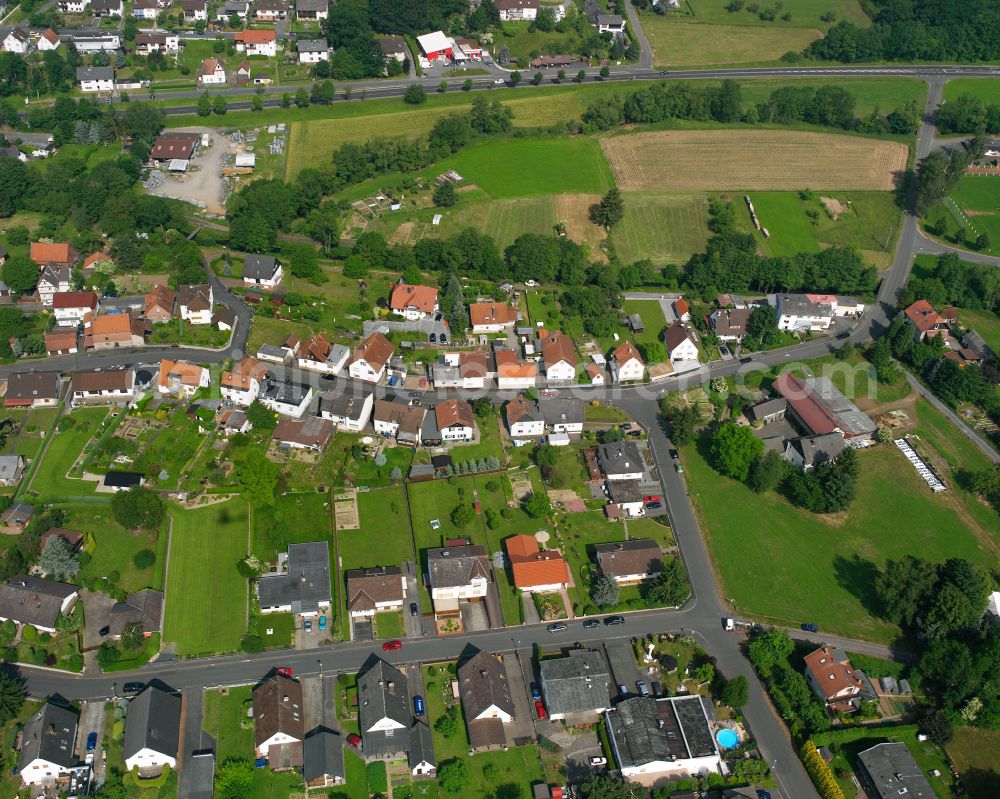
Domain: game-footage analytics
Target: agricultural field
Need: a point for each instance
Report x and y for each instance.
(206, 596)
(784, 565)
(705, 160)
(663, 227)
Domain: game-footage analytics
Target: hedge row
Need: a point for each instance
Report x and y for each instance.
(820, 772)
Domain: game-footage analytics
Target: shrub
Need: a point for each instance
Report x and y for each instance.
(820, 773)
(144, 558)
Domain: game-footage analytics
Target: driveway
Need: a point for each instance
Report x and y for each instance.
(97, 609)
(474, 616)
(362, 630)
(426, 326)
(92, 715)
(623, 667)
(583, 746)
(415, 684)
(194, 738)
(522, 728)
(412, 625)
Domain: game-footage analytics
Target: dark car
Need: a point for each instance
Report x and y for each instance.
(762, 794)
(557, 627)
(590, 624)
(536, 692)
(131, 688)
(354, 741)
(104, 630)
(443, 339)
(413, 609)
(745, 360)
(674, 455)
(654, 505)
(809, 628)
(844, 335)
(614, 620)
(92, 742)
(418, 706)
(414, 395)
(432, 338)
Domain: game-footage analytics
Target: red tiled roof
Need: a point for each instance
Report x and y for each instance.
(75, 299)
(255, 36)
(404, 296)
(625, 352)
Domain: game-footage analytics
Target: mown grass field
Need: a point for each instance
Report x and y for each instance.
(384, 537)
(986, 89)
(979, 198)
(976, 753)
(114, 547)
(296, 518)
(805, 13)
(666, 228)
(206, 596)
(50, 481)
(781, 212)
(653, 322)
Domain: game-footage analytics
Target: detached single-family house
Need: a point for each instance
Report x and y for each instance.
(375, 590)
(280, 354)
(15, 519)
(400, 421)
(72, 6)
(535, 570)
(630, 562)
(808, 452)
(26, 599)
(926, 321)
(487, 703)
(889, 771)
(370, 358)
(562, 414)
(114, 330)
(174, 146)
(730, 324)
(347, 411)
(302, 584)
(32, 390)
(61, 343)
(805, 311)
(240, 8)
(258, 42)
(829, 674)
(627, 364)
(143, 609)
(391, 47)
(286, 398)
(96, 42)
(195, 10)
(96, 79)
(241, 385)
(681, 348)
(271, 10)
(107, 8)
(621, 460)
(611, 23)
(319, 355)
(455, 574)
(144, 9)
(103, 386)
(455, 420)
(278, 722)
(512, 10)
(384, 715)
(70, 307)
(146, 43)
(48, 745)
(312, 9)
(158, 305)
(49, 40)
(312, 433)
(181, 379)
(195, 302)
(152, 731)
(577, 686)
(11, 469)
(512, 374)
(52, 279)
(413, 302)
(559, 356)
(492, 317)
(312, 51)
(212, 72)
(17, 41)
(323, 759)
(524, 418)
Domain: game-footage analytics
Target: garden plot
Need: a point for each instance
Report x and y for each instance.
(345, 511)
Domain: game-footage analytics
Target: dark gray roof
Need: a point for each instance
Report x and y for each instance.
(620, 457)
(201, 770)
(311, 5)
(766, 408)
(975, 342)
(260, 267)
(383, 694)
(153, 721)
(287, 393)
(818, 449)
(482, 681)
(50, 735)
(576, 683)
(609, 19)
(95, 73)
(33, 600)
(32, 386)
(323, 755)
(421, 746)
(342, 404)
(893, 772)
(558, 410)
(306, 582)
(453, 566)
(123, 479)
(644, 730)
(312, 45)
(144, 607)
(801, 305)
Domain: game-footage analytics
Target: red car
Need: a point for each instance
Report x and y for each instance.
(284, 671)
(354, 741)
(392, 646)
(654, 498)
(540, 710)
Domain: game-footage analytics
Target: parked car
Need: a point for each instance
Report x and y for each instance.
(322, 622)
(745, 360)
(413, 609)
(499, 82)
(642, 687)
(654, 505)
(89, 759)
(392, 646)
(590, 624)
(354, 741)
(845, 334)
(557, 627)
(596, 760)
(92, 742)
(133, 688)
(414, 395)
(307, 625)
(614, 620)
(104, 630)
(531, 283)
(653, 498)
(443, 339)
(623, 692)
(418, 705)
(540, 710)
(536, 692)
(809, 627)
(284, 671)
(678, 468)
(432, 338)
(673, 455)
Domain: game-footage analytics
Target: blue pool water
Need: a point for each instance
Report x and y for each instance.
(727, 739)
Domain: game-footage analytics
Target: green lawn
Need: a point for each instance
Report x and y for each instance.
(206, 596)
(579, 532)
(666, 228)
(805, 13)
(292, 519)
(653, 322)
(781, 212)
(522, 41)
(389, 625)
(436, 499)
(489, 443)
(113, 547)
(222, 717)
(437, 698)
(384, 536)
(979, 194)
(544, 166)
(50, 481)
(986, 89)
(976, 753)
(541, 311)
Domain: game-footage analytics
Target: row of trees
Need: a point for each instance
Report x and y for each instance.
(968, 114)
(956, 282)
(938, 174)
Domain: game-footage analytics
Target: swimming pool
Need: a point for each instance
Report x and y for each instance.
(727, 739)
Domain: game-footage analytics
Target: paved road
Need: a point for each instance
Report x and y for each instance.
(981, 444)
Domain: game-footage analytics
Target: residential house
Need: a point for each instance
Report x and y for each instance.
(889, 771)
(286, 398)
(48, 745)
(302, 584)
(312, 51)
(926, 321)
(212, 72)
(681, 349)
(420, 757)
(829, 674)
(400, 421)
(455, 420)
(87, 43)
(64, 343)
(49, 40)
(436, 46)
(768, 411)
(348, 411)
(312, 433)
(26, 599)
(121, 481)
(576, 687)
(312, 9)
(278, 725)
(52, 279)
(47, 253)
(801, 312)
(234, 422)
(807, 452)
(103, 386)
(511, 10)
(32, 390)
(146, 43)
(114, 330)
(280, 354)
(72, 6)
(524, 418)
(370, 358)
(384, 715)
(682, 309)
(375, 590)
(492, 317)
(627, 364)
(271, 10)
(487, 703)
(621, 460)
(393, 47)
(11, 469)
(107, 8)
(667, 737)
(319, 355)
(17, 41)
(195, 10)
(323, 759)
(240, 8)
(559, 356)
(152, 731)
(241, 385)
(144, 9)
(730, 324)
(456, 574)
(96, 79)
(630, 562)
(15, 519)
(413, 302)
(143, 609)
(562, 414)
(243, 73)
(819, 407)
(258, 42)
(611, 23)
(181, 379)
(974, 342)
(595, 374)
(196, 302)
(72, 538)
(70, 307)
(512, 374)
(158, 305)
(174, 146)
(536, 570)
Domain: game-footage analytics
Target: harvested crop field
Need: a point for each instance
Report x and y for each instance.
(713, 160)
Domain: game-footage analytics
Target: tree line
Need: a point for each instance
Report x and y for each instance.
(968, 114)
